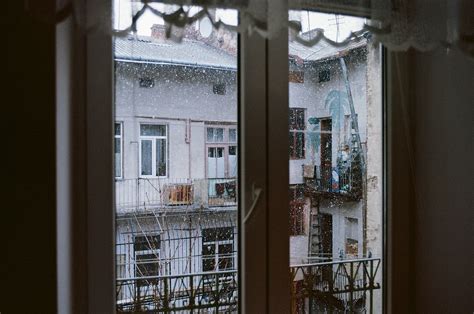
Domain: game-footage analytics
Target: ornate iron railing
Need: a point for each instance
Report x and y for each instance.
(336, 181)
(212, 291)
(345, 286)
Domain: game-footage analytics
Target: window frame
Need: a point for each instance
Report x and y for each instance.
(294, 156)
(153, 139)
(149, 251)
(259, 63)
(226, 143)
(216, 243)
(121, 136)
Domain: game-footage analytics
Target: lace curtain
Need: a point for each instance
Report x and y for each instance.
(398, 24)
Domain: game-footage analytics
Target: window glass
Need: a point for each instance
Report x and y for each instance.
(160, 158)
(118, 150)
(335, 161)
(118, 129)
(215, 135)
(152, 130)
(146, 162)
(176, 200)
(232, 135)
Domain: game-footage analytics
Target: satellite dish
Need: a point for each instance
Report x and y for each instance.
(205, 27)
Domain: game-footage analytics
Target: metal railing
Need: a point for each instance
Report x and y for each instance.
(336, 180)
(325, 287)
(345, 286)
(152, 193)
(211, 291)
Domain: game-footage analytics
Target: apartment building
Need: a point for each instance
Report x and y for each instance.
(176, 165)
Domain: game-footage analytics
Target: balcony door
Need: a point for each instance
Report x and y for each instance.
(216, 163)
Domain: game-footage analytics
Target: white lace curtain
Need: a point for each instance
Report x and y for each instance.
(398, 24)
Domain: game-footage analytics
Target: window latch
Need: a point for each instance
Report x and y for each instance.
(256, 192)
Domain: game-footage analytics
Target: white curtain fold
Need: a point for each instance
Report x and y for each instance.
(398, 24)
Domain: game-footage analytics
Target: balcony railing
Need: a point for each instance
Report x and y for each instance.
(153, 193)
(214, 291)
(338, 286)
(334, 180)
(344, 286)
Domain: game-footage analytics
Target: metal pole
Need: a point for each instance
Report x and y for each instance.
(351, 287)
(353, 113)
(371, 284)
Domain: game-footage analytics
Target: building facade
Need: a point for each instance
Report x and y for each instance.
(177, 168)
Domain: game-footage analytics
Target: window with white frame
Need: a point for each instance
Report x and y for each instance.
(153, 150)
(221, 147)
(118, 149)
(217, 249)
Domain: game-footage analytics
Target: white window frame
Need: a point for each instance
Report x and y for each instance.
(216, 244)
(120, 137)
(226, 143)
(263, 116)
(153, 139)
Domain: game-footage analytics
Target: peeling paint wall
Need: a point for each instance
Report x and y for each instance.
(374, 163)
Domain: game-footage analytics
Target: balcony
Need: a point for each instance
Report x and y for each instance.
(344, 182)
(334, 286)
(144, 194)
(345, 286)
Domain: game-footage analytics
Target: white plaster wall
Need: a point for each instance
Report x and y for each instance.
(339, 214)
(298, 249)
(176, 96)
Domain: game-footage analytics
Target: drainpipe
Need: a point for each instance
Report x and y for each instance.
(187, 139)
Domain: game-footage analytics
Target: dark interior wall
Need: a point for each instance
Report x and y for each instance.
(28, 257)
(444, 189)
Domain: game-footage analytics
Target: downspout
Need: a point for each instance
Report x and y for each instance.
(187, 139)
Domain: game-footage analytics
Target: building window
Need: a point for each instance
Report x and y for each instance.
(153, 150)
(221, 146)
(352, 244)
(146, 82)
(297, 138)
(219, 88)
(297, 203)
(218, 249)
(324, 76)
(215, 135)
(147, 256)
(118, 149)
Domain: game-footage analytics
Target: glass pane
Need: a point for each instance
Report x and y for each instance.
(335, 145)
(215, 135)
(152, 130)
(176, 202)
(219, 135)
(118, 157)
(232, 135)
(146, 157)
(210, 134)
(118, 129)
(161, 158)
